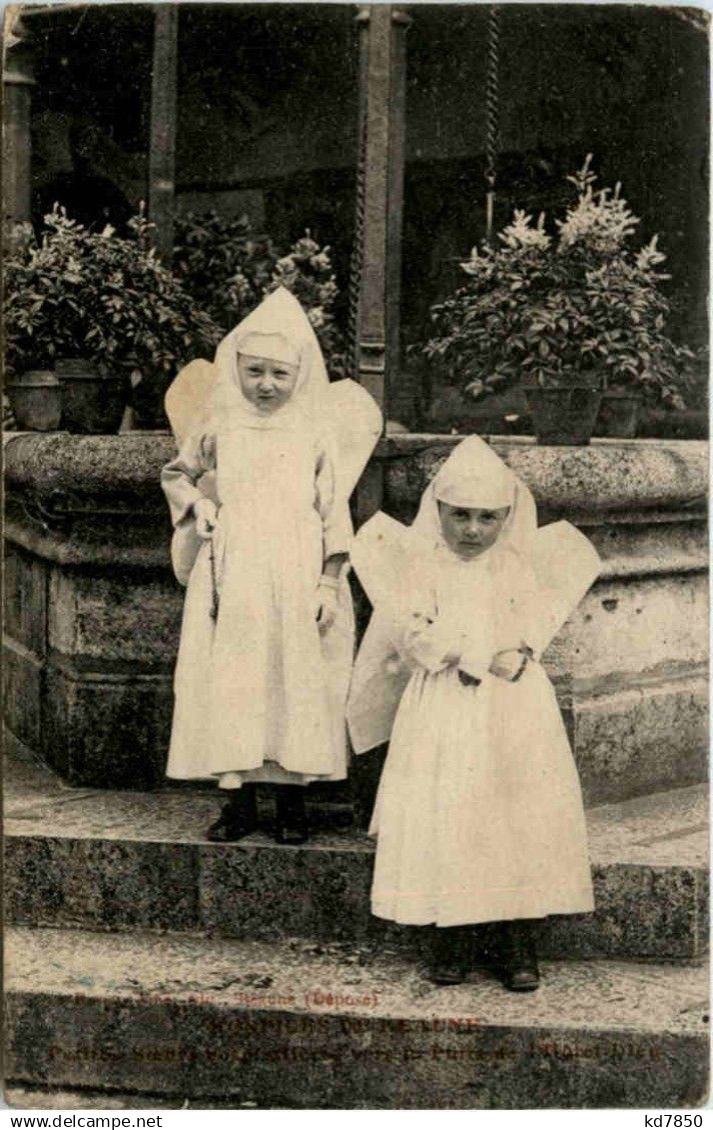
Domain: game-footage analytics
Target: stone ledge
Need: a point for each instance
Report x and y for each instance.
(303, 1025)
(141, 542)
(641, 739)
(615, 475)
(607, 475)
(76, 467)
(89, 560)
(96, 500)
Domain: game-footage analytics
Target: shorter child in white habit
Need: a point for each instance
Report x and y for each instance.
(479, 814)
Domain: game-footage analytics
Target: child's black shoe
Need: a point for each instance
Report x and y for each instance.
(518, 956)
(291, 824)
(448, 964)
(238, 817)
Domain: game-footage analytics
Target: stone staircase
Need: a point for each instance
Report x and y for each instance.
(147, 967)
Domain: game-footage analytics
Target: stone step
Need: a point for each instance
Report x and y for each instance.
(89, 1098)
(116, 860)
(295, 1025)
(640, 734)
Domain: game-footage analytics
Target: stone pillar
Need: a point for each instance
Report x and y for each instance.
(92, 610)
(382, 108)
(162, 144)
(17, 104)
(382, 78)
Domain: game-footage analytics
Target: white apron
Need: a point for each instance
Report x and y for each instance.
(260, 684)
(479, 811)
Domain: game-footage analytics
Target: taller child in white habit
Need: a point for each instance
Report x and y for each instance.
(478, 814)
(259, 497)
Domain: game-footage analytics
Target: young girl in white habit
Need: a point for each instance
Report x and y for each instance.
(267, 637)
(478, 814)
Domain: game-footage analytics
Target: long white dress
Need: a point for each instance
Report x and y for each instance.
(258, 690)
(479, 813)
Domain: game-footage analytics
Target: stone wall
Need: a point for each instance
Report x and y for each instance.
(93, 613)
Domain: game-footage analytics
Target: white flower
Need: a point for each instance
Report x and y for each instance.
(476, 263)
(650, 256)
(315, 317)
(601, 220)
(521, 233)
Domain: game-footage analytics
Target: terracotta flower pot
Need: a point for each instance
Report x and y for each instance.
(90, 402)
(564, 416)
(35, 399)
(618, 414)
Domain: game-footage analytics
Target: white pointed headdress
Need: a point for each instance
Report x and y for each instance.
(280, 330)
(473, 476)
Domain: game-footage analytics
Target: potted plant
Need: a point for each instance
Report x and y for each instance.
(96, 309)
(571, 318)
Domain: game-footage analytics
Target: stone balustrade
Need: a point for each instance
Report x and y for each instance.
(93, 612)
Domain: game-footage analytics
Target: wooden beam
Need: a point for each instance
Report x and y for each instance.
(395, 196)
(16, 106)
(382, 109)
(382, 95)
(162, 144)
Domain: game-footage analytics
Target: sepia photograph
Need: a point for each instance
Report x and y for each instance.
(356, 626)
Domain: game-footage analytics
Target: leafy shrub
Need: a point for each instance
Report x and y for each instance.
(579, 307)
(229, 269)
(81, 293)
(222, 264)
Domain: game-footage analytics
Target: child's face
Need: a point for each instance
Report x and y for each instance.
(265, 383)
(469, 531)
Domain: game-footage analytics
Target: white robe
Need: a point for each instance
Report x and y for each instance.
(259, 692)
(479, 812)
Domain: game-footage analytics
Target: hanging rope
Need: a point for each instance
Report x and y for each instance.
(357, 260)
(492, 117)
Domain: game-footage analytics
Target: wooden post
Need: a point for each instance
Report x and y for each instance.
(400, 24)
(162, 145)
(17, 104)
(382, 76)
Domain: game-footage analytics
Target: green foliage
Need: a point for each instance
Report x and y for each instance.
(80, 293)
(579, 307)
(229, 269)
(221, 263)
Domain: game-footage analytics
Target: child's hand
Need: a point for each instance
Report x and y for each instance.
(206, 517)
(508, 664)
(326, 606)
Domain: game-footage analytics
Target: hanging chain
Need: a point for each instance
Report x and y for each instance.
(492, 116)
(357, 260)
